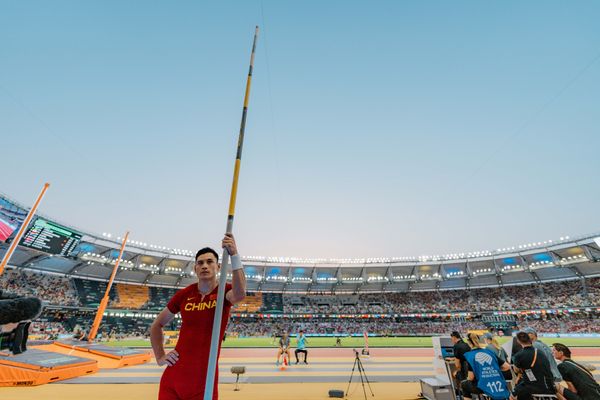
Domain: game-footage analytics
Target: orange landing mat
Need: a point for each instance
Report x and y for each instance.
(107, 356)
(37, 367)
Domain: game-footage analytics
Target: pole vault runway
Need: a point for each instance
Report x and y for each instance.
(324, 365)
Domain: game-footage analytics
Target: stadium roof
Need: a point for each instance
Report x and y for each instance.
(92, 256)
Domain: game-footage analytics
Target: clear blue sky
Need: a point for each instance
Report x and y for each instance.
(375, 128)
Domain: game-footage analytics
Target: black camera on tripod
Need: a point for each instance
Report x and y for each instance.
(15, 341)
(358, 366)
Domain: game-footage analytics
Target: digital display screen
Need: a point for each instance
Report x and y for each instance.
(447, 352)
(51, 238)
(11, 217)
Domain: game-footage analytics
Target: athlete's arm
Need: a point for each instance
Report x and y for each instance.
(238, 281)
(157, 339)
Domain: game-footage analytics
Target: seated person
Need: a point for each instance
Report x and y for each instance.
(494, 347)
(284, 347)
(533, 368)
(543, 347)
(301, 347)
(581, 384)
(484, 372)
(460, 348)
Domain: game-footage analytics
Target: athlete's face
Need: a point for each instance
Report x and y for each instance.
(206, 267)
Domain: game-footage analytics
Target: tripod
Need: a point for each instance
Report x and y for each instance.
(361, 373)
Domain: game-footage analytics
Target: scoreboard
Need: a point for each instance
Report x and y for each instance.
(51, 238)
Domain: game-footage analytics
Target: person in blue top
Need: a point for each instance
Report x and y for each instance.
(301, 346)
(484, 372)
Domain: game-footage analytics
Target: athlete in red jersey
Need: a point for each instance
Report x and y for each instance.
(185, 375)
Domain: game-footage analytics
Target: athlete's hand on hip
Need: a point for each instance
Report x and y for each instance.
(228, 243)
(168, 359)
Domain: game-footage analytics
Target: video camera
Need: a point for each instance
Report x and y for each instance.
(19, 310)
(363, 352)
(15, 341)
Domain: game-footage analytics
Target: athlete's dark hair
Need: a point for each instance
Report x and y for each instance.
(207, 250)
(562, 348)
(523, 337)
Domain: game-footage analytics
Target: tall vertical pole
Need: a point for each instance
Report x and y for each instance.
(216, 330)
(21, 231)
(104, 302)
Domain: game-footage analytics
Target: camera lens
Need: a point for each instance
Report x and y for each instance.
(16, 340)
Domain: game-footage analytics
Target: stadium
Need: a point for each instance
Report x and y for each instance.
(419, 177)
(552, 286)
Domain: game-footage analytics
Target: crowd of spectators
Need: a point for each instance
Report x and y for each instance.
(402, 327)
(45, 330)
(52, 289)
(546, 295)
(64, 322)
(347, 326)
(578, 323)
(60, 291)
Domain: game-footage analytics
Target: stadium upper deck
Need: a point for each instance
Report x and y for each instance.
(92, 256)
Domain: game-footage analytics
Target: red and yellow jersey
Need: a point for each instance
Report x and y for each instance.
(197, 314)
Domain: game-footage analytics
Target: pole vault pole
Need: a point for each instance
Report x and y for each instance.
(104, 302)
(216, 331)
(15, 242)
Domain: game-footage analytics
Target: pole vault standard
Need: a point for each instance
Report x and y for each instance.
(104, 302)
(216, 331)
(15, 242)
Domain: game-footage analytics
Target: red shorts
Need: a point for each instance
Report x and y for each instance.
(185, 383)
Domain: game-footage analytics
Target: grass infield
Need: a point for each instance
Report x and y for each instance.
(358, 342)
